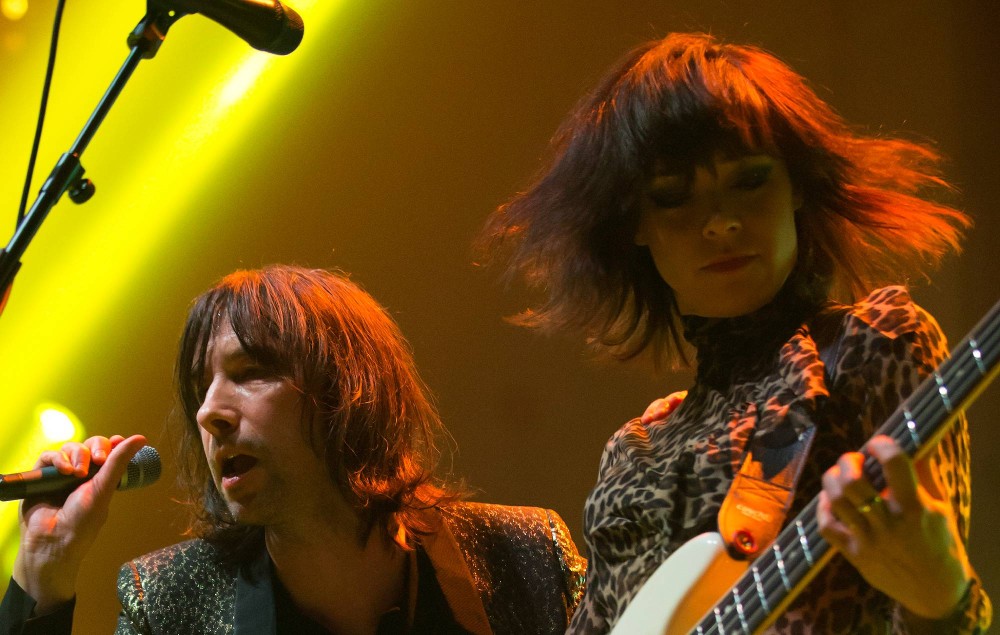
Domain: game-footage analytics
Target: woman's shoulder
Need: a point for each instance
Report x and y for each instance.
(887, 332)
(889, 312)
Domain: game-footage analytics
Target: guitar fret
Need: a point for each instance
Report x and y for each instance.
(804, 541)
(943, 391)
(781, 567)
(718, 621)
(739, 611)
(911, 425)
(760, 590)
(977, 355)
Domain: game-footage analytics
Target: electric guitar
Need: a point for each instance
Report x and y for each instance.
(693, 590)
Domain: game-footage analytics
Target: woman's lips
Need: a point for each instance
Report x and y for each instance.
(726, 265)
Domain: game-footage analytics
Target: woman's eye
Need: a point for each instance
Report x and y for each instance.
(667, 199)
(754, 177)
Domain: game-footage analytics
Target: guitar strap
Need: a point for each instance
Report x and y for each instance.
(755, 507)
(758, 501)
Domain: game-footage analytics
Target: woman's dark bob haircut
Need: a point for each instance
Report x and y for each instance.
(864, 220)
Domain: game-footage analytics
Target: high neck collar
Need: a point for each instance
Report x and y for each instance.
(744, 348)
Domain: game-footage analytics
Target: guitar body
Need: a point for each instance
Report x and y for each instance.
(682, 589)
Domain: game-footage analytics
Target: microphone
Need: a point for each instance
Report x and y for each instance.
(266, 25)
(143, 469)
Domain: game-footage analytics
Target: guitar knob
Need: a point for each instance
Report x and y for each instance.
(744, 543)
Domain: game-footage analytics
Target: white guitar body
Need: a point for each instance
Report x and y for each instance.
(682, 589)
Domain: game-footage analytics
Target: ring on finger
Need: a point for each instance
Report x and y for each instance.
(867, 506)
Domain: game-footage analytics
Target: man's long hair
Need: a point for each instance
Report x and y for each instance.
(365, 408)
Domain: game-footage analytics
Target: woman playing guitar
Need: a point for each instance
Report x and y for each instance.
(704, 192)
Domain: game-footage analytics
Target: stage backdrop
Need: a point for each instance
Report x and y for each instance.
(379, 147)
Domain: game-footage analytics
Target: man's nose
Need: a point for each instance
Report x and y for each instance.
(218, 413)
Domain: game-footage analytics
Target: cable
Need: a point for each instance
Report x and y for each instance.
(41, 111)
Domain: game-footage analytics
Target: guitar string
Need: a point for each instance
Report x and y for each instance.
(955, 379)
(792, 555)
(774, 590)
(746, 592)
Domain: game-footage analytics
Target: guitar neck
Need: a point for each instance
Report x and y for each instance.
(799, 552)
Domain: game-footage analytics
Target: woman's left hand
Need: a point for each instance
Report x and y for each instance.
(904, 540)
(661, 408)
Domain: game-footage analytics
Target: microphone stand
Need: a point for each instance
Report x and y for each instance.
(67, 175)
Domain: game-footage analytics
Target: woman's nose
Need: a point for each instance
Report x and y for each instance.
(721, 222)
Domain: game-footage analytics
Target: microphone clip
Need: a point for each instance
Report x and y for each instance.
(149, 34)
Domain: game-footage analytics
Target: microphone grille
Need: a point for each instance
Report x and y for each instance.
(289, 35)
(143, 469)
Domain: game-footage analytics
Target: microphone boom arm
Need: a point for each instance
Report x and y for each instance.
(67, 175)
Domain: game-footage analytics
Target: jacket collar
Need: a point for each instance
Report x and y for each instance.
(255, 608)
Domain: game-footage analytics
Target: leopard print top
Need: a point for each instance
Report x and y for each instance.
(661, 484)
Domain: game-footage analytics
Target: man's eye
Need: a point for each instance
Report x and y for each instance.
(250, 373)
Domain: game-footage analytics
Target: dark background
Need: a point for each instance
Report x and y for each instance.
(422, 118)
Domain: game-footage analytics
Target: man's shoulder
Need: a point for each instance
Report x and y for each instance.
(182, 588)
(190, 554)
(502, 519)
(522, 562)
(483, 527)
(498, 535)
(160, 573)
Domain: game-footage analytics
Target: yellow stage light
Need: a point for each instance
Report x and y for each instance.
(173, 133)
(51, 426)
(13, 9)
(58, 424)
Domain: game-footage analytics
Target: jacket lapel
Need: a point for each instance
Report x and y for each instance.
(455, 579)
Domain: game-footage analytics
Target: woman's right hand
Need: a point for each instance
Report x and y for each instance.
(56, 535)
(661, 408)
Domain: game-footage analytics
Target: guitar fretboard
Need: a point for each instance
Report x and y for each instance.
(799, 552)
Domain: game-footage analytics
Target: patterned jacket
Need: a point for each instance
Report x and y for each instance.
(500, 569)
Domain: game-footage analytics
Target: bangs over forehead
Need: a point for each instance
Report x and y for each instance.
(687, 98)
(208, 311)
(265, 322)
